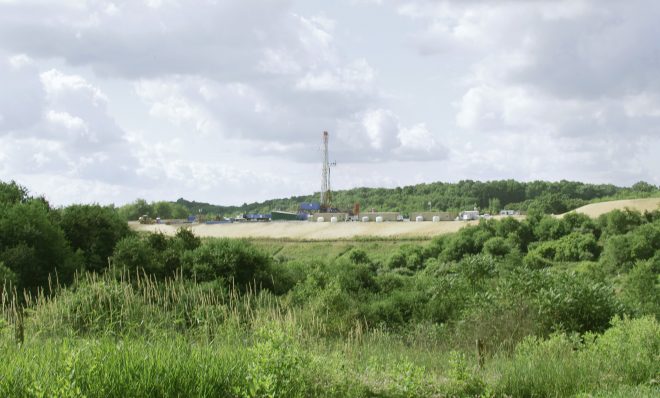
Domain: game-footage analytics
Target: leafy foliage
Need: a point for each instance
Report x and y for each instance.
(95, 230)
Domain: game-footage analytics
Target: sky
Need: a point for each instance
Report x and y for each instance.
(226, 101)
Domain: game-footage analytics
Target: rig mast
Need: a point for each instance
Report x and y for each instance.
(326, 192)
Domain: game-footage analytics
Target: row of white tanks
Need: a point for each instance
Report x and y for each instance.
(379, 219)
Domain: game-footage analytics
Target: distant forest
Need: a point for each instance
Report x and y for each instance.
(490, 196)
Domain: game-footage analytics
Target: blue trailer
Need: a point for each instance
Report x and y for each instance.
(257, 217)
(311, 206)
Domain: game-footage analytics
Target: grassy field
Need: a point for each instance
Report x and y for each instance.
(596, 209)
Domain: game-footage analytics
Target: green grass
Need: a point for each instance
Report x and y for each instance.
(108, 338)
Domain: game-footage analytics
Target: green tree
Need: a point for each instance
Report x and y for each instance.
(95, 230)
(11, 193)
(641, 289)
(643, 186)
(32, 246)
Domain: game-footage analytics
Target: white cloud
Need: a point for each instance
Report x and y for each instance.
(381, 127)
(356, 76)
(56, 83)
(66, 120)
(19, 61)
(135, 98)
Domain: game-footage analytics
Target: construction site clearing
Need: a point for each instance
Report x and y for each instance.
(309, 230)
(305, 230)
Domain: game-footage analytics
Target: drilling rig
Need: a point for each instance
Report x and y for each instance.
(326, 192)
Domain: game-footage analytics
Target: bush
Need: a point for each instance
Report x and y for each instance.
(278, 366)
(7, 276)
(619, 222)
(477, 268)
(188, 239)
(535, 260)
(573, 247)
(622, 251)
(469, 240)
(134, 254)
(564, 365)
(617, 254)
(95, 230)
(550, 228)
(497, 247)
(577, 247)
(641, 290)
(571, 302)
(228, 259)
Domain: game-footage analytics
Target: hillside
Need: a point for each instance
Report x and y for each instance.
(597, 209)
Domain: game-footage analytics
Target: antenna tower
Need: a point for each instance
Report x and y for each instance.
(326, 192)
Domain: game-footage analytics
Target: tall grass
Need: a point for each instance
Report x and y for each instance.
(134, 336)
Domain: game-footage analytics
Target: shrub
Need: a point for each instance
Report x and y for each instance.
(277, 366)
(188, 239)
(621, 251)
(477, 268)
(359, 256)
(550, 228)
(95, 230)
(619, 222)
(7, 276)
(571, 302)
(497, 247)
(573, 247)
(408, 256)
(134, 254)
(616, 253)
(564, 365)
(641, 290)
(469, 240)
(462, 380)
(535, 260)
(228, 259)
(577, 247)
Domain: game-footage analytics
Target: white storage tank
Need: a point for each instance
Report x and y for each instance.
(333, 219)
(320, 219)
(436, 218)
(419, 219)
(379, 219)
(365, 219)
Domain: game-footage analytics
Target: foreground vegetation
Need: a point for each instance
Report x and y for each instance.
(109, 338)
(541, 307)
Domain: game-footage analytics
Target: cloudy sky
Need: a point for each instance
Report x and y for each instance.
(225, 101)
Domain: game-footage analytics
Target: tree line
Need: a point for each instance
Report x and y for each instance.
(491, 196)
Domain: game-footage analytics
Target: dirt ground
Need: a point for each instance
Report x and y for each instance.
(305, 230)
(596, 209)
